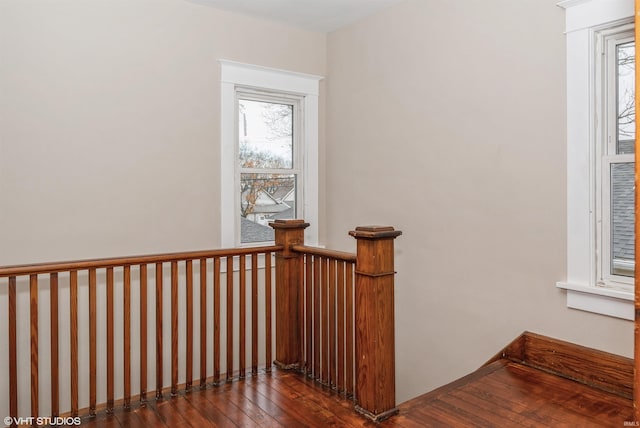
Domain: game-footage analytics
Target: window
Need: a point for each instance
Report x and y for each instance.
(615, 74)
(600, 146)
(269, 152)
(269, 167)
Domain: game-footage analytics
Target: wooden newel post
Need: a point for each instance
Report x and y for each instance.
(374, 318)
(288, 287)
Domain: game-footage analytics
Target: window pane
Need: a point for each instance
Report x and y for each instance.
(265, 133)
(264, 198)
(622, 218)
(625, 57)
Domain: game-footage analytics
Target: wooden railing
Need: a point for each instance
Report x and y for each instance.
(213, 269)
(332, 331)
(327, 344)
(333, 321)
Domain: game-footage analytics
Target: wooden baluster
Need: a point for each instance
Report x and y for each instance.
(33, 297)
(316, 318)
(374, 317)
(110, 352)
(159, 310)
(349, 331)
(189, 316)
(243, 314)
(325, 319)
(254, 314)
(126, 349)
(229, 319)
(340, 360)
(268, 310)
(216, 320)
(143, 333)
(93, 355)
(301, 317)
(203, 322)
(13, 359)
(309, 312)
(332, 323)
(73, 339)
(174, 328)
(55, 376)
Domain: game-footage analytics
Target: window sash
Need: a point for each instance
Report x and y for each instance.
(607, 41)
(246, 93)
(605, 260)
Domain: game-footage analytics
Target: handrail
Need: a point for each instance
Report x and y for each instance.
(28, 269)
(323, 252)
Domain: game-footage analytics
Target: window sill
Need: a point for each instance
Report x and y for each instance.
(599, 300)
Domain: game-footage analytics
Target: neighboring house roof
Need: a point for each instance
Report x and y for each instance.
(622, 210)
(254, 232)
(267, 203)
(284, 215)
(284, 191)
(270, 209)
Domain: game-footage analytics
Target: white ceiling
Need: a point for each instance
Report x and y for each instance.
(315, 15)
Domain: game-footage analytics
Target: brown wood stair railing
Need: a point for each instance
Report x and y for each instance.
(333, 321)
(333, 331)
(101, 274)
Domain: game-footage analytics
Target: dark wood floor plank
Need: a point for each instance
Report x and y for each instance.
(289, 404)
(480, 403)
(284, 417)
(148, 417)
(262, 418)
(198, 398)
(339, 409)
(192, 414)
(217, 399)
(140, 417)
(169, 415)
(403, 420)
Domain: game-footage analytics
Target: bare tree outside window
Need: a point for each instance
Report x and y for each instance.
(265, 155)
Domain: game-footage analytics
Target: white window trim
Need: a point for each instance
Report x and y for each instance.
(583, 292)
(234, 74)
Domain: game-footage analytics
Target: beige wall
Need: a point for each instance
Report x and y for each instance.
(446, 119)
(109, 121)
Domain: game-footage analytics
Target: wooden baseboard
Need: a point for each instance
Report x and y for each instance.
(592, 367)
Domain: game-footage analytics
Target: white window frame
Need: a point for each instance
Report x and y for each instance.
(235, 75)
(584, 18)
(607, 39)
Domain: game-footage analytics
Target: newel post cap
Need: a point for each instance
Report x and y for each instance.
(375, 232)
(289, 224)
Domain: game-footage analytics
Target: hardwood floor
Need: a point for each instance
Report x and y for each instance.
(506, 393)
(278, 399)
(503, 393)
